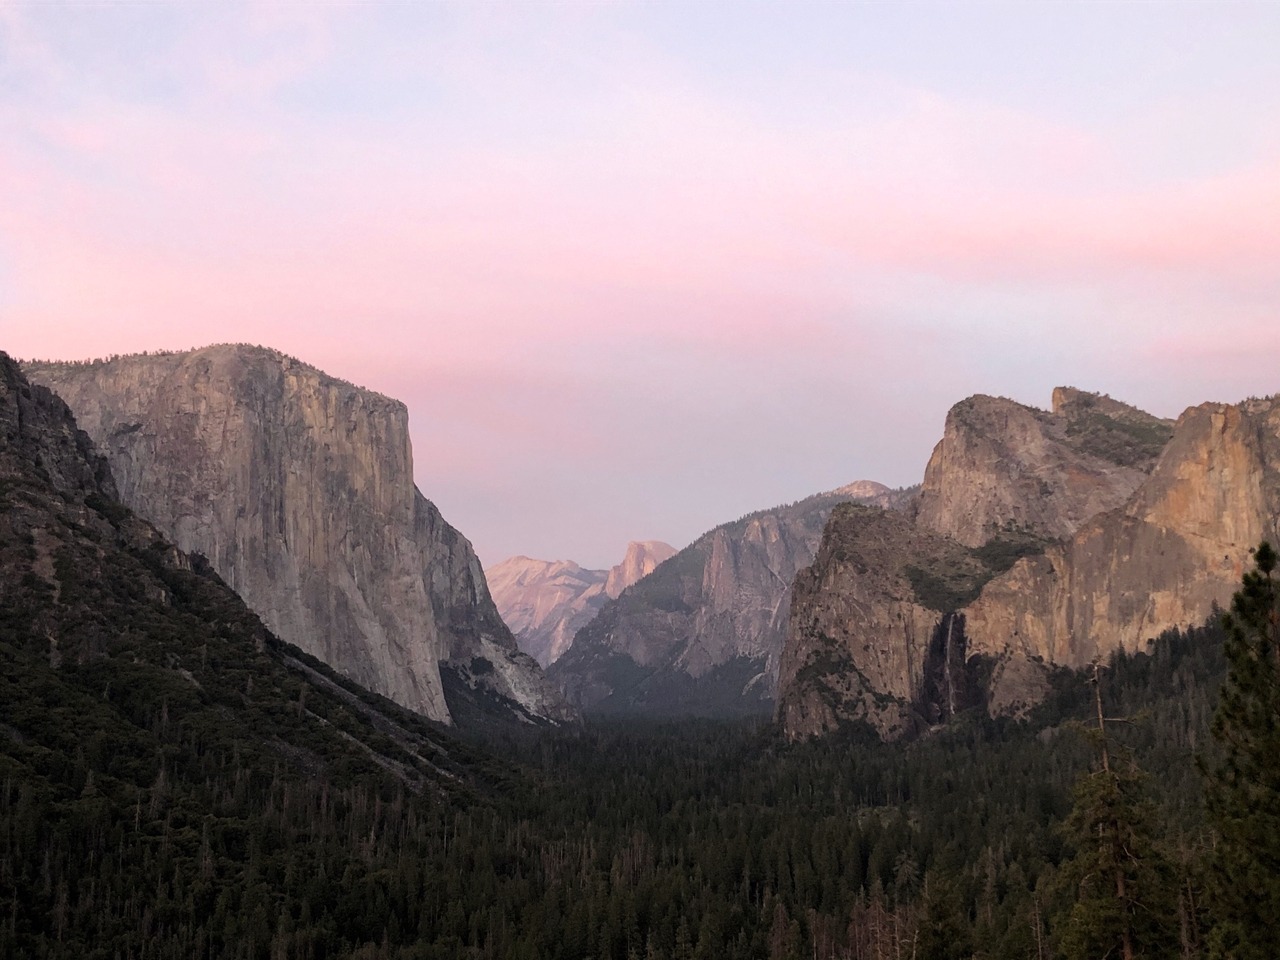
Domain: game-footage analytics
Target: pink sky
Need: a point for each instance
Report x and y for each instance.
(635, 270)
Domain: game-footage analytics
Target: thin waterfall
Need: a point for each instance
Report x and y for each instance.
(951, 689)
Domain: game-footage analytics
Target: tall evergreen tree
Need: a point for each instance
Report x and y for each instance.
(1117, 885)
(1243, 787)
(944, 930)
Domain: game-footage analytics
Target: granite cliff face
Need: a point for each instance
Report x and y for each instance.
(108, 628)
(298, 487)
(1178, 546)
(703, 632)
(640, 560)
(862, 643)
(1004, 470)
(1008, 480)
(546, 602)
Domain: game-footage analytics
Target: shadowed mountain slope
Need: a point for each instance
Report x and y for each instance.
(702, 633)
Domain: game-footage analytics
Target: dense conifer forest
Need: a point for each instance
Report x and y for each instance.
(682, 840)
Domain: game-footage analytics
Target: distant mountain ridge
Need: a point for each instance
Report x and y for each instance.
(702, 633)
(546, 602)
(299, 489)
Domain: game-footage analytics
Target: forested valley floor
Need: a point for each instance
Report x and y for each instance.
(621, 840)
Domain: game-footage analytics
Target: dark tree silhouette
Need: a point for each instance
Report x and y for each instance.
(1243, 786)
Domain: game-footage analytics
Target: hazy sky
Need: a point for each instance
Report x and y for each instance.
(640, 268)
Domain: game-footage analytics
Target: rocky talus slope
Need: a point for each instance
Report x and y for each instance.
(546, 602)
(298, 487)
(1094, 527)
(703, 632)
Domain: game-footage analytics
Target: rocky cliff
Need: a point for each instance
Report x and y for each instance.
(299, 489)
(546, 602)
(640, 560)
(703, 632)
(868, 639)
(128, 663)
(1004, 470)
(1009, 480)
(1178, 546)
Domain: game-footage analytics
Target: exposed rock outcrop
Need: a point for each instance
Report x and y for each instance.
(703, 632)
(870, 492)
(1172, 547)
(1004, 470)
(546, 602)
(299, 489)
(1162, 560)
(640, 560)
(862, 641)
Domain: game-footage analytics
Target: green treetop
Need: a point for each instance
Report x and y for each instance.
(1243, 786)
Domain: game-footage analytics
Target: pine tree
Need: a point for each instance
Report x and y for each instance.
(944, 930)
(1117, 884)
(1243, 787)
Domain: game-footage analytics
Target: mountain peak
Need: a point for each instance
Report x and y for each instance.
(546, 602)
(1007, 470)
(641, 558)
(862, 490)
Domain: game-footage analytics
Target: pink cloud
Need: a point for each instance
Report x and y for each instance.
(681, 214)
(482, 242)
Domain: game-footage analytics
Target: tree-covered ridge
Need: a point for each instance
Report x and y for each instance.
(1114, 431)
